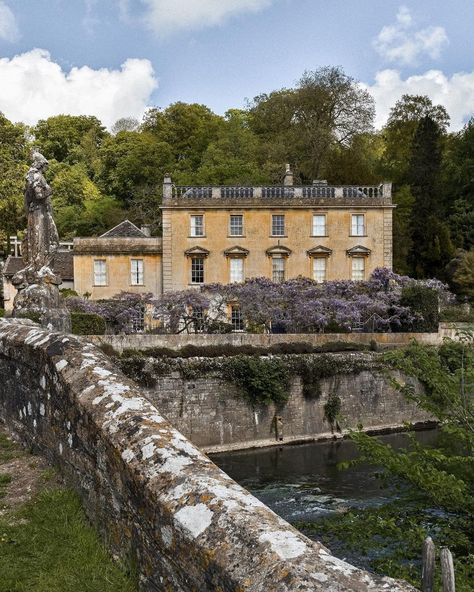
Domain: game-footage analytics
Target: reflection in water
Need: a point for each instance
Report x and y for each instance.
(303, 482)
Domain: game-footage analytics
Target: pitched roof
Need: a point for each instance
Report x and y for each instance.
(125, 229)
(63, 265)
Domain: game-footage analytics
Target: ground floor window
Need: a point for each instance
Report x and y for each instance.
(197, 270)
(236, 270)
(136, 269)
(358, 268)
(278, 269)
(236, 318)
(319, 269)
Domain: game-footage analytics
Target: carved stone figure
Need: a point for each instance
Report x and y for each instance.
(37, 284)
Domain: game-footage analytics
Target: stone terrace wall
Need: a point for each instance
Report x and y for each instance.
(154, 496)
(215, 415)
(145, 341)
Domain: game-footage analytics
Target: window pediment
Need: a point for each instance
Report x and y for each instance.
(319, 251)
(236, 251)
(278, 250)
(197, 252)
(358, 251)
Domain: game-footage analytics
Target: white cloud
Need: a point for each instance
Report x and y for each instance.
(456, 93)
(400, 43)
(165, 16)
(8, 26)
(34, 87)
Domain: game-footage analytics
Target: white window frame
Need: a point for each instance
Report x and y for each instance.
(236, 319)
(278, 269)
(278, 226)
(358, 229)
(195, 229)
(137, 272)
(236, 269)
(100, 275)
(231, 229)
(358, 269)
(319, 229)
(320, 269)
(193, 263)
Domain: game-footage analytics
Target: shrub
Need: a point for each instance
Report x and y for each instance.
(423, 301)
(262, 380)
(32, 316)
(84, 323)
(2, 312)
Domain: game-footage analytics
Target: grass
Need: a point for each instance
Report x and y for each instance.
(47, 545)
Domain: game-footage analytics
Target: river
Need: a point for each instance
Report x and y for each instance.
(303, 482)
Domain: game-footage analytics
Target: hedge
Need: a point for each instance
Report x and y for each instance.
(83, 323)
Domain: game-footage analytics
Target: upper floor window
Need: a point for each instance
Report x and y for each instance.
(236, 269)
(100, 272)
(319, 269)
(319, 225)
(278, 269)
(197, 225)
(236, 225)
(197, 270)
(358, 268)
(358, 225)
(278, 225)
(136, 271)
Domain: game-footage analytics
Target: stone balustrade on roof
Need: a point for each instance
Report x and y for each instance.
(276, 195)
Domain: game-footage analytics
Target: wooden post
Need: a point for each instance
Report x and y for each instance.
(447, 570)
(428, 565)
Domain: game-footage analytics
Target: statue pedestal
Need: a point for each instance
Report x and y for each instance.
(42, 303)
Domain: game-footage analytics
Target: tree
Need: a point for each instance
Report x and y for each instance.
(233, 157)
(461, 272)
(125, 124)
(13, 166)
(432, 247)
(131, 161)
(187, 128)
(58, 136)
(400, 129)
(301, 125)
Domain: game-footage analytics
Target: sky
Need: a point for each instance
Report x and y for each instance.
(116, 58)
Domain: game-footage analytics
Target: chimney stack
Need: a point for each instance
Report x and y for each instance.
(145, 228)
(288, 178)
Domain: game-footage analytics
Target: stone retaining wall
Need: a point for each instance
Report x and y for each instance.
(154, 496)
(216, 415)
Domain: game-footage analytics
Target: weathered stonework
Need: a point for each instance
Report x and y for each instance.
(154, 496)
(215, 414)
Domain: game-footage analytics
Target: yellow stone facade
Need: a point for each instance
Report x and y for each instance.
(118, 272)
(355, 239)
(226, 234)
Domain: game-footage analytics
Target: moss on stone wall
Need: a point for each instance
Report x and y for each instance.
(262, 379)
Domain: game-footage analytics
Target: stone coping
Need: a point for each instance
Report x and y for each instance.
(154, 495)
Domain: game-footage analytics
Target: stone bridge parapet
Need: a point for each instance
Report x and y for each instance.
(155, 497)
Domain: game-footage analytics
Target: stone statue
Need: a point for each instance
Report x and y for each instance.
(37, 284)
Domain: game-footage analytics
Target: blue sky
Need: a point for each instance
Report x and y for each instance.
(114, 58)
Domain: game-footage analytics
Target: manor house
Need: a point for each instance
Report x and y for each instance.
(228, 234)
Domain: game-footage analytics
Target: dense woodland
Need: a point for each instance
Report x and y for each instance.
(323, 127)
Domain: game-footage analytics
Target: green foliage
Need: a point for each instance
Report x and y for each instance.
(425, 302)
(457, 314)
(388, 539)
(61, 136)
(32, 316)
(263, 380)
(2, 312)
(332, 409)
(50, 547)
(87, 324)
(5, 480)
